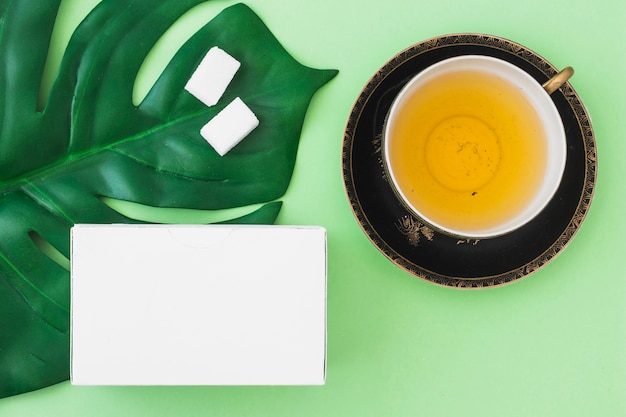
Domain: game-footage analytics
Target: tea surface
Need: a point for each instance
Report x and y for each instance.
(468, 150)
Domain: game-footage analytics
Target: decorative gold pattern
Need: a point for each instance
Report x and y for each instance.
(377, 145)
(408, 228)
(412, 229)
(473, 242)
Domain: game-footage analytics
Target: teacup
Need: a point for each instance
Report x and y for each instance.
(474, 146)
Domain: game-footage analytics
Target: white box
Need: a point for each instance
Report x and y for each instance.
(198, 305)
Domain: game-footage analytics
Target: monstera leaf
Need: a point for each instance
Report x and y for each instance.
(91, 143)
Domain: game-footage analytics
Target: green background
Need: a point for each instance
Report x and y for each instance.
(552, 344)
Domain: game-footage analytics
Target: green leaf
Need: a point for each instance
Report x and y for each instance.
(91, 143)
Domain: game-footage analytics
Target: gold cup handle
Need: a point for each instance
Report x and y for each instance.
(558, 80)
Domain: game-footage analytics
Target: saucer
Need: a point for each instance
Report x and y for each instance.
(427, 253)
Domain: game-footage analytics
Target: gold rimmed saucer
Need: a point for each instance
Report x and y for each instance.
(427, 253)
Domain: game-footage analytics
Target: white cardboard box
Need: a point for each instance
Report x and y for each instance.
(198, 305)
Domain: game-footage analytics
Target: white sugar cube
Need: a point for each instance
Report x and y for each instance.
(229, 126)
(212, 76)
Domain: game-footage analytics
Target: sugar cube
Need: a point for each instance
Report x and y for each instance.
(229, 126)
(212, 77)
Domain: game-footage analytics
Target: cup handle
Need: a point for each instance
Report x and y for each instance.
(558, 80)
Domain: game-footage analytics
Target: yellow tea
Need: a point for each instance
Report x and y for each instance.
(468, 150)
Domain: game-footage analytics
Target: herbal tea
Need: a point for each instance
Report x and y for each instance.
(468, 150)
